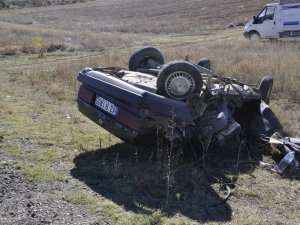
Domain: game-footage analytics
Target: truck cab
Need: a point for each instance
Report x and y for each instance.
(263, 25)
(276, 20)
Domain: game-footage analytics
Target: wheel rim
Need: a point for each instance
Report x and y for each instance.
(179, 85)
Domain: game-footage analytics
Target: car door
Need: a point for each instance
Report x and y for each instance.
(265, 22)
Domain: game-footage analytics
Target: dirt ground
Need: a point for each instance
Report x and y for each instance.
(26, 202)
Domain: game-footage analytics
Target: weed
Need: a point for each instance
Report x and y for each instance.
(40, 45)
(116, 165)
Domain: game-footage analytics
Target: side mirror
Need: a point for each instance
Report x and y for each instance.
(254, 18)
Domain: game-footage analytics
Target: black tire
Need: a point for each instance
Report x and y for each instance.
(204, 62)
(254, 36)
(265, 88)
(189, 76)
(2, 5)
(140, 58)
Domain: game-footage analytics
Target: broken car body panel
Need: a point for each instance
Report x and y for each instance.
(222, 111)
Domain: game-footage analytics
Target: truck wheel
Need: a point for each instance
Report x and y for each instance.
(2, 5)
(254, 36)
(179, 80)
(148, 57)
(265, 88)
(204, 62)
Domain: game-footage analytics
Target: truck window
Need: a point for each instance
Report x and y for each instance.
(270, 13)
(261, 16)
(266, 14)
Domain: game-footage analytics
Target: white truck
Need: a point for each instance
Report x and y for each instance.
(276, 20)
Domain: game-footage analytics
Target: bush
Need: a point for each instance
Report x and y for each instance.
(40, 46)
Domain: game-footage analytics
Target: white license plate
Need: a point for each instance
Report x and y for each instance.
(106, 105)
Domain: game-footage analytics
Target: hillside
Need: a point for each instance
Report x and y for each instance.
(168, 16)
(9, 4)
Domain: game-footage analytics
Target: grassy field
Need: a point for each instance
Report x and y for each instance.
(9, 4)
(136, 16)
(39, 121)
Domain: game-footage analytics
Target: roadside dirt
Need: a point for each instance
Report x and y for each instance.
(26, 202)
(23, 201)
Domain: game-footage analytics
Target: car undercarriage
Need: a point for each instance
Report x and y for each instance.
(186, 102)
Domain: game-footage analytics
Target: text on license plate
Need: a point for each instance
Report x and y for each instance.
(106, 105)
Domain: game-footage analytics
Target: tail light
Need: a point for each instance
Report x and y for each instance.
(86, 95)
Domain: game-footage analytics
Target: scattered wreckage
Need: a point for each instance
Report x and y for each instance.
(188, 102)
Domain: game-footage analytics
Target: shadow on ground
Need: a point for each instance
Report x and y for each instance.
(137, 178)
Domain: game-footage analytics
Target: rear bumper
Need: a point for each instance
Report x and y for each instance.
(105, 121)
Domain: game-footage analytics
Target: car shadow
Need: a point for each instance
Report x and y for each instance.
(143, 178)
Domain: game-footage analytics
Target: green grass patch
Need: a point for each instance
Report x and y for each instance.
(51, 155)
(82, 198)
(40, 172)
(36, 165)
(12, 150)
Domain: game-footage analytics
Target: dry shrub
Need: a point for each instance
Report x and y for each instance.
(58, 90)
(52, 47)
(250, 61)
(9, 50)
(21, 36)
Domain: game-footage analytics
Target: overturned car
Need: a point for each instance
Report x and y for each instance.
(189, 103)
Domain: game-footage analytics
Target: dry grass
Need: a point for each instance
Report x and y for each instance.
(250, 61)
(237, 58)
(19, 38)
(240, 59)
(133, 16)
(5, 4)
(43, 110)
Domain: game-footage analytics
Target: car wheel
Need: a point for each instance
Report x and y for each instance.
(204, 62)
(179, 80)
(254, 36)
(265, 88)
(148, 57)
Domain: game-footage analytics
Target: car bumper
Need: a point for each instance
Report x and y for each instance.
(105, 121)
